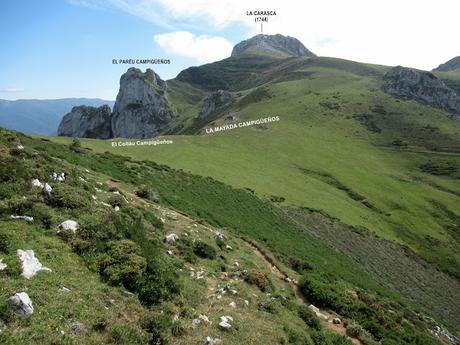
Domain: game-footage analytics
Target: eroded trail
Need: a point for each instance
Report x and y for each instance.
(326, 316)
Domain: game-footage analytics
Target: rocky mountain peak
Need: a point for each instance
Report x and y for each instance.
(274, 45)
(141, 109)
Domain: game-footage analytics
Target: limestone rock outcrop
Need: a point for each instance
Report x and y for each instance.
(142, 109)
(214, 102)
(87, 122)
(421, 86)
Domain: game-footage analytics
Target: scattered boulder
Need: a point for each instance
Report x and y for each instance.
(47, 190)
(64, 289)
(76, 328)
(214, 103)
(68, 225)
(19, 147)
(22, 304)
(2, 265)
(87, 122)
(225, 322)
(36, 183)
(336, 321)
(205, 319)
(208, 341)
(195, 323)
(219, 236)
(232, 304)
(58, 177)
(30, 264)
(314, 309)
(127, 293)
(26, 218)
(171, 238)
(421, 86)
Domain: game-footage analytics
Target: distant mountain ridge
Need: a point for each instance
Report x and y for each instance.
(40, 116)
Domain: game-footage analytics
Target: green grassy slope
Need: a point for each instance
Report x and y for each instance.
(107, 253)
(341, 146)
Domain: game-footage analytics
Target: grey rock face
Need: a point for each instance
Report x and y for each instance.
(87, 122)
(216, 101)
(421, 86)
(141, 109)
(283, 45)
(21, 304)
(450, 65)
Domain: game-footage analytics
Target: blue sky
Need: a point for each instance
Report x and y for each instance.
(64, 48)
(57, 49)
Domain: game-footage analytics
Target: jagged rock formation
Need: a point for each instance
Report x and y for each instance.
(450, 65)
(421, 86)
(87, 122)
(283, 46)
(214, 102)
(141, 109)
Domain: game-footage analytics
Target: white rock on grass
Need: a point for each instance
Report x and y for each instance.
(205, 319)
(232, 304)
(68, 225)
(195, 323)
(26, 218)
(171, 238)
(116, 208)
(36, 183)
(2, 265)
(225, 322)
(208, 341)
(64, 289)
(30, 264)
(219, 236)
(22, 304)
(314, 309)
(19, 147)
(58, 177)
(47, 189)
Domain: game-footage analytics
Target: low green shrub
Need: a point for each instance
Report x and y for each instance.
(354, 329)
(66, 196)
(185, 247)
(5, 246)
(116, 200)
(159, 326)
(204, 250)
(257, 278)
(123, 264)
(309, 317)
(127, 334)
(148, 193)
(159, 283)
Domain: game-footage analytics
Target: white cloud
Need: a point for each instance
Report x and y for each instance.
(200, 48)
(417, 33)
(11, 89)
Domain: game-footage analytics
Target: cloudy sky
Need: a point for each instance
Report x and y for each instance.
(64, 48)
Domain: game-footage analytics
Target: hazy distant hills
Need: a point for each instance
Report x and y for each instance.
(40, 116)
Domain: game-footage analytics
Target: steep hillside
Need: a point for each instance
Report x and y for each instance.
(158, 275)
(342, 146)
